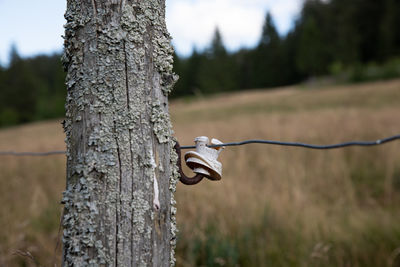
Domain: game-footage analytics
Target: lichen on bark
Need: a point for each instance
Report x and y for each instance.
(118, 59)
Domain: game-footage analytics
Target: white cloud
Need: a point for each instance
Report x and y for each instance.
(192, 23)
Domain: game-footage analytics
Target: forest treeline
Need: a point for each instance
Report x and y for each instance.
(31, 89)
(350, 40)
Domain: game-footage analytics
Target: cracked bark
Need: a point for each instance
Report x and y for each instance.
(118, 59)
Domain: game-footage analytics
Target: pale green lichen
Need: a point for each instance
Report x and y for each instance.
(140, 207)
(112, 126)
(162, 126)
(163, 55)
(172, 187)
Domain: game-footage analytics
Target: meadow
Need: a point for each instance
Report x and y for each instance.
(275, 206)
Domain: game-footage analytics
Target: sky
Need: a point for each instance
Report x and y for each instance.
(36, 27)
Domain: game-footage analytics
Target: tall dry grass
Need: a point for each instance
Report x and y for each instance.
(275, 206)
(30, 193)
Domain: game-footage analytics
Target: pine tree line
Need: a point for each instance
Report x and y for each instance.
(329, 37)
(31, 89)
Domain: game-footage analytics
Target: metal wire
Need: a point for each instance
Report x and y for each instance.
(48, 153)
(255, 141)
(340, 145)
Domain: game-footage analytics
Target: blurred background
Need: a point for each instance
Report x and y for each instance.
(290, 70)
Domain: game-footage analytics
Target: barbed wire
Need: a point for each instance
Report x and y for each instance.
(246, 142)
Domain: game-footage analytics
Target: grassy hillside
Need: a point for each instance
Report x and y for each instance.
(275, 206)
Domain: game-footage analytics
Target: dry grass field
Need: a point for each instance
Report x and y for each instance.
(275, 206)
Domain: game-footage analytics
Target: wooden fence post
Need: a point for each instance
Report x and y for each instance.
(121, 174)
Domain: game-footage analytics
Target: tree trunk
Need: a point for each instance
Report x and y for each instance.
(121, 174)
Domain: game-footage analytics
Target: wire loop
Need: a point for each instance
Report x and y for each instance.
(184, 179)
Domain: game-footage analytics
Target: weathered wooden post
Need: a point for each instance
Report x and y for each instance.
(121, 174)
